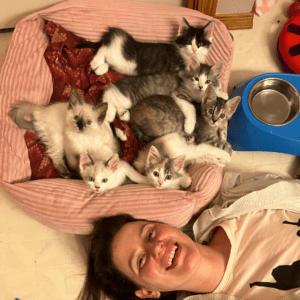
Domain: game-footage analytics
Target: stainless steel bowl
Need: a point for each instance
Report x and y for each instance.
(274, 101)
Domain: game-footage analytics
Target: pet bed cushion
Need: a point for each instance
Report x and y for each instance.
(69, 205)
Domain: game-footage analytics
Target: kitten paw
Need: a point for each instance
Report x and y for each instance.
(102, 69)
(121, 134)
(124, 115)
(186, 182)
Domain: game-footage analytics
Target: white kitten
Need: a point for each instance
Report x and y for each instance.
(102, 175)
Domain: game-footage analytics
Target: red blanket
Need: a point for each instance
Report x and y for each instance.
(70, 69)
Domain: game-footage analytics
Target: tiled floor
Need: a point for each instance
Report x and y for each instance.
(38, 263)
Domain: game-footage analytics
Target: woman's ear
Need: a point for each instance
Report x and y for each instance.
(143, 293)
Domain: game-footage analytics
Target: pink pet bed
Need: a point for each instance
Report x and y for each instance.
(70, 205)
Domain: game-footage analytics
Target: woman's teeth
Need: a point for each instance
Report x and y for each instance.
(172, 256)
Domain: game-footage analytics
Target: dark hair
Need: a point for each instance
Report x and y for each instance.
(102, 276)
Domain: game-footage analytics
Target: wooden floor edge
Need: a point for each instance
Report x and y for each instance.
(236, 21)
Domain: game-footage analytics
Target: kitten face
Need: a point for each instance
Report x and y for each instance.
(83, 117)
(97, 174)
(204, 75)
(194, 41)
(216, 110)
(163, 172)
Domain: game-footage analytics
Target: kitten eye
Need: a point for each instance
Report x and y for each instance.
(91, 178)
(222, 116)
(189, 42)
(210, 111)
(155, 173)
(76, 117)
(104, 180)
(168, 177)
(196, 78)
(208, 81)
(200, 44)
(88, 122)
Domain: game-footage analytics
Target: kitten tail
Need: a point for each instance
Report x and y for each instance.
(20, 112)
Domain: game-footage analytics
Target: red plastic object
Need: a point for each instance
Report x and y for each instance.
(293, 9)
(289, 43)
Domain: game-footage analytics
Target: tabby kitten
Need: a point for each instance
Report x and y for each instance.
(156, 159)
(128, 91)
(158, 115)
(66, 129)
(102, 175)
(120, 51)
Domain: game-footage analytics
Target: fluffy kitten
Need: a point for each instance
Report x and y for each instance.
(66, 129)
(103, 175)
(128, 91)
(120, 51)
(154, 161)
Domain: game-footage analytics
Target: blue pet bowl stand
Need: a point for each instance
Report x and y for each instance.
(247, 133)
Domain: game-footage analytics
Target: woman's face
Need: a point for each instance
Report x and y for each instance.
(156, 256)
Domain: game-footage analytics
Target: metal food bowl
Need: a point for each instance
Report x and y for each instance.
(274, 101)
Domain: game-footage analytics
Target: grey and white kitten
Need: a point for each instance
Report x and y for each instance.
(163, 158)
(67, 129)
(187, 85)
(102, 175)
(120, 51)
(159, 115)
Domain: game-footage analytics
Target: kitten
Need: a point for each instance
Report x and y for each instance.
(213, 115)
(103, 175)
(128, 91)
(163, 172)
(155, 161)
(120, 51)
(74, 122)
(159, 115)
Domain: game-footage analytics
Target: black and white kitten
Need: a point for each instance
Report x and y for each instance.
(120, 51)
(67, 129)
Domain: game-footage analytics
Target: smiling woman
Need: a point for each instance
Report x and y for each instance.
(133, 258)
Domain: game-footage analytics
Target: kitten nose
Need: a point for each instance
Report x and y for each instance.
(194, 49)
(97, 188)
(200, 87)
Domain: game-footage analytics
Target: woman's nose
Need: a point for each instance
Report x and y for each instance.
(156, 249)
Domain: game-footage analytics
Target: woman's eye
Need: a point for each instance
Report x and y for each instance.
(208, 81)
(88, 122)
(168, 177)
(196, 78)
(155, 173)
(222, 116)
(76, 117)
(104, 180)
(210, 111)
(150, 234)
(141, 261)
(91, 178)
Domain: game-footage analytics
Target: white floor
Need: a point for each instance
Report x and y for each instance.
(38, 263)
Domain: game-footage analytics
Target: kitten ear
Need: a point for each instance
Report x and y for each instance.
(113, 163)
(208, 30)
(85, 161)
(153, 156)
(231, 105)
(209, 94)
(184, 27)
(178, 162)
(217, 68)
(101, 109)
(74, 99)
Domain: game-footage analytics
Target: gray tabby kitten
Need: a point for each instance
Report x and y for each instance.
(128, 91)
(120, 51)
(102, 175)
(158, 115)
(67, 129)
